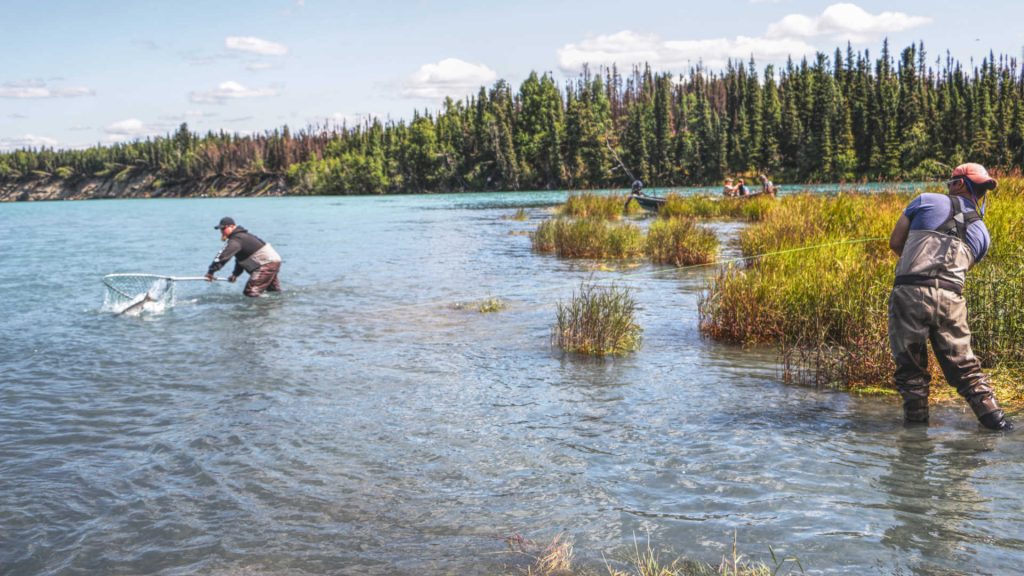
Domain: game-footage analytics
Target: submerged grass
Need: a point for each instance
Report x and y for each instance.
(820, 288)
(598, 321)
(493, 304)
(558, 558)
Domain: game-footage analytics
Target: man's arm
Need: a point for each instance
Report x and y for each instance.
(224, 256)
(898, 238)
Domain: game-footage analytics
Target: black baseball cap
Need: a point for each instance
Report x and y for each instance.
(224, 223)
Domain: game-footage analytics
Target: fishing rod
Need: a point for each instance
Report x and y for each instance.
(617, 159)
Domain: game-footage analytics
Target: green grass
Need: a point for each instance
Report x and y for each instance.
(713, 207)
(588, 238)
(820, 277)
(598, 321)
(680, 241)
(589, 205)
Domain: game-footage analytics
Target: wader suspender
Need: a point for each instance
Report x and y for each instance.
(955, 225)
(958, 221)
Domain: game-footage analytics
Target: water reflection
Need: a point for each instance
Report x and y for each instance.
(932, 492)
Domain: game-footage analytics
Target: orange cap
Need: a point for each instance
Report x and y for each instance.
(976, 173)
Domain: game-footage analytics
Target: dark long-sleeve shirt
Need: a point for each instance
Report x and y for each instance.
(240, 245)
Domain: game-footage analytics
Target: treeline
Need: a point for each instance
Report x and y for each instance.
(839, 118)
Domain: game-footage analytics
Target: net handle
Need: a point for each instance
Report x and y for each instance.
(171, 278)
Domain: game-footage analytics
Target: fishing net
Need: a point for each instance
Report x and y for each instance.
(131, 292)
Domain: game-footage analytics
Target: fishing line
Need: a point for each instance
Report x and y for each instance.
(638, 275)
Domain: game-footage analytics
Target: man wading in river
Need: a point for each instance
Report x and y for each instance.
(251, 254)
(938, 238)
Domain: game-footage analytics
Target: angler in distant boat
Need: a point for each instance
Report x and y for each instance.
(645, 201)
(767, 187)
(251, 254)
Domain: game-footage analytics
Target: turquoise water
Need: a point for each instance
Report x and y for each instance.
(368, 420)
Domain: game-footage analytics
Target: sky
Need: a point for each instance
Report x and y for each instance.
(79, 73)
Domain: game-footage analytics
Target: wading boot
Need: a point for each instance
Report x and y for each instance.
(915, 411)
(996, 421)
(985, 406)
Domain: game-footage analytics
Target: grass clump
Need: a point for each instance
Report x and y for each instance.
(589, 205)
(680, 241)
(490, 305)
(520, 215)
(598, 321)
(588, 238)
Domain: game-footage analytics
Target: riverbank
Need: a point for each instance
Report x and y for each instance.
(816, 279)
(135, 184)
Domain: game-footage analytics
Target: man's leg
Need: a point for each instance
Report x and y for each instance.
(261, 279)
(909, 313)
(951, 340)
(275, 285)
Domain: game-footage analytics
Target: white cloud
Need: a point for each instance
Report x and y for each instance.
(27, 141)
(255, 45)
(126, 130)
(34, 89)
(787, 37)
(230, 90)
(626, 47)
(845, 22)
(449, 77)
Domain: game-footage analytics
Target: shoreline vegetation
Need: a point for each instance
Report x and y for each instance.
(813, 280)
(842, 117)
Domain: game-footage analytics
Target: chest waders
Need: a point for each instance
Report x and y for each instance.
(926, 304)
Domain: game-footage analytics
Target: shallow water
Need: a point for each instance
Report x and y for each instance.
(364, 422)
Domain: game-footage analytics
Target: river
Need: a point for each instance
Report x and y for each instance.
(369, 420)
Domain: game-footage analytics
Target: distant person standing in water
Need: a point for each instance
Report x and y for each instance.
(939, 238)
(251, 254)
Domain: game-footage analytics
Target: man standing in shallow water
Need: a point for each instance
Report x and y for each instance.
(251, 254)
(938, 238)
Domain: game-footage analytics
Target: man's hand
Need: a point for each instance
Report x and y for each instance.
(232, 278)
(209, 277)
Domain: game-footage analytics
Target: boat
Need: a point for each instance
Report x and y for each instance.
(652, 203)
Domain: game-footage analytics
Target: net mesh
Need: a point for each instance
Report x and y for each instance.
(136, 292)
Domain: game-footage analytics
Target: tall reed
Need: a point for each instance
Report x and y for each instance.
(680, 241)
(588, 238)
(598, 320)
(590, 205)
(820, 282)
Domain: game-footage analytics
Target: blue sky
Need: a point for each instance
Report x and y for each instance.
(77, 73)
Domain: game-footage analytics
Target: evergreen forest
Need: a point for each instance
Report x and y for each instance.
(848, 116)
